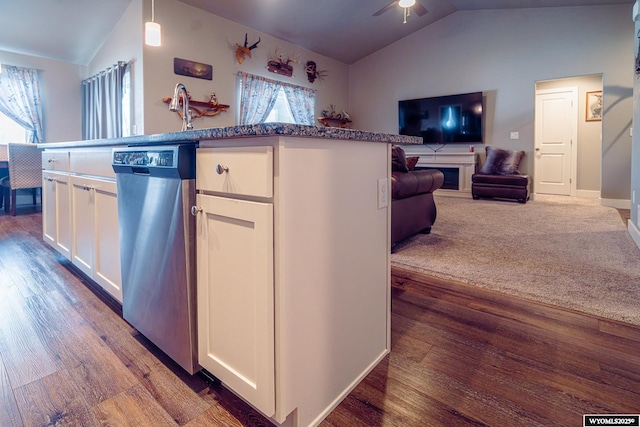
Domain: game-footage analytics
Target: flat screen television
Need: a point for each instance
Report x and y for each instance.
(452, 119)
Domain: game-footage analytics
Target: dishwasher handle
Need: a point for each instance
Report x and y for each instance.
(140, 171)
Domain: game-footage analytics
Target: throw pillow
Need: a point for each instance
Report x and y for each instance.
(398, 160)
(501, 162)
(412, 162)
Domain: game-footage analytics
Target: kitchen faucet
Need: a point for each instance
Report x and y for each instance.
(175, 105)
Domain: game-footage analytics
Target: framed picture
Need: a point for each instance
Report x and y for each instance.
(198, 70)
(594, 106)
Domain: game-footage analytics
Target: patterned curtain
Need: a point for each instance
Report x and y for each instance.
(257, 97)
(102, 103)
(20, 99)
(302, 102)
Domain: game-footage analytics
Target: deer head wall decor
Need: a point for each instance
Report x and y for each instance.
(242, 51)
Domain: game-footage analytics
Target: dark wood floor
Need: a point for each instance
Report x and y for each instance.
(460, 356)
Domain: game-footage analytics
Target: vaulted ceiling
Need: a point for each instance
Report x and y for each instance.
(346, 30)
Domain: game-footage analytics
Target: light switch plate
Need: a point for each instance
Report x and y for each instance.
(383, 193)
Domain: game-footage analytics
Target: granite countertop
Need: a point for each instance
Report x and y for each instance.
(267, 129)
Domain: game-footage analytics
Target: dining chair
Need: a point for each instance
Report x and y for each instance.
(25, 172)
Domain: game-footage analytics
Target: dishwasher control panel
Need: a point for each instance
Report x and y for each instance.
(149, 158)
(170, 161)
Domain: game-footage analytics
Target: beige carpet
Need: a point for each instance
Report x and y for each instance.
(563, 251)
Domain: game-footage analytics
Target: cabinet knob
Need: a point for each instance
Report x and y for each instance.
(195, 210)
(221, 169)
(51, 160)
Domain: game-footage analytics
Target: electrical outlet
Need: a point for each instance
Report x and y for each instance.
(515, 135)
(383, 193)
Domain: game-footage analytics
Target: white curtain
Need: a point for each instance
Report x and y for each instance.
(20, 99)
(258, 96)
(302, 102)
(102, 103)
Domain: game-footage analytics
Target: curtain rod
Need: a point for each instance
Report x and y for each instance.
(240, 73)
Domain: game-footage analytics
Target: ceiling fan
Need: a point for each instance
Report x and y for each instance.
(407, 5)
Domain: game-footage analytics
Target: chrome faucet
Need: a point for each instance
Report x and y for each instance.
(174, 105)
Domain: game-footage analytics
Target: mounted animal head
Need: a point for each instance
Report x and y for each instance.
(242, 51)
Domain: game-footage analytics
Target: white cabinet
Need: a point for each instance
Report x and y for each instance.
(80, 212)
(293, 269)
(235, 296)
(94, 219)
(56, 218)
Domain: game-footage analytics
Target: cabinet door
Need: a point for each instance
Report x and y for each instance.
(83, 224)
(107, 244)
(235, 296)
(56, 220)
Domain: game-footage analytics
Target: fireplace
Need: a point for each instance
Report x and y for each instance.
(451, 177)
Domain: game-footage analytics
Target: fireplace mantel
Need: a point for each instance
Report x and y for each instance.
(465, 162)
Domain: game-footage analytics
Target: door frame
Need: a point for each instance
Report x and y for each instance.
(574, 134)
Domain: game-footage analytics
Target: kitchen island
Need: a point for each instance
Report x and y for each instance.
(292, 237)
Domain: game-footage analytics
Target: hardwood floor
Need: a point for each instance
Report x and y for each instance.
(460, 356)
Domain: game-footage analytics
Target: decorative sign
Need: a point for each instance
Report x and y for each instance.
(192, 69)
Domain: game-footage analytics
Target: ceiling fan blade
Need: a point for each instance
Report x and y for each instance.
(387, 7)
(419, 9)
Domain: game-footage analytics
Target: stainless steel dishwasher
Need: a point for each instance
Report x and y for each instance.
(156, 189)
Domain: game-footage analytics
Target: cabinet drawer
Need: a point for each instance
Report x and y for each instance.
(96, 162)
(55, 160)
(246, 171)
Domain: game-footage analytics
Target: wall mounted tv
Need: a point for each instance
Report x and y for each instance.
(452, 119)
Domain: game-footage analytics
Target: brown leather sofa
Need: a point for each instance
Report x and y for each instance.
(413, 209)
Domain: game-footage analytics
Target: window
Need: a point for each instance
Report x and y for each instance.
(11, 131)
(281, 112)
(265, 100)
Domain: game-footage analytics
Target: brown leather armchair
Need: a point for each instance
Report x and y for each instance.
(413, 209)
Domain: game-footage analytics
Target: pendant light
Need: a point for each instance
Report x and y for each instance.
(406, 4)
(152, 34)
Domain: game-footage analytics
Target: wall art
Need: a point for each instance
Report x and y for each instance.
(187, 68)
(594, 106)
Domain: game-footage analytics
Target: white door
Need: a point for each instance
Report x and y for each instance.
(235, 299)
(556, 124)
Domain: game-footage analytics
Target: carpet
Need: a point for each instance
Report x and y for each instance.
(569, 252)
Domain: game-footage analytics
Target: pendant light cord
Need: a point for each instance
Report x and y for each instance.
(153, 10)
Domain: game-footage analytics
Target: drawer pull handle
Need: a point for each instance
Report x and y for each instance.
(51, 160)
(195, 210)
(221, 169)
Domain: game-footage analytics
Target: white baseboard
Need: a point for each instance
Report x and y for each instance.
(588, 194)
(616, 203)
(635, 233)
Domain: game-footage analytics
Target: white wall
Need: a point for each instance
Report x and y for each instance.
(194, 35)
(503, 53)
(125, 44)
(634, 221)
(59, 87)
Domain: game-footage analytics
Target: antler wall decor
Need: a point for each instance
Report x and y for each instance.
(279, 64)
(242, 51)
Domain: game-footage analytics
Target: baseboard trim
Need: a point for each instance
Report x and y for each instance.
(635, 233)
(588, 194)
(616, 203)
